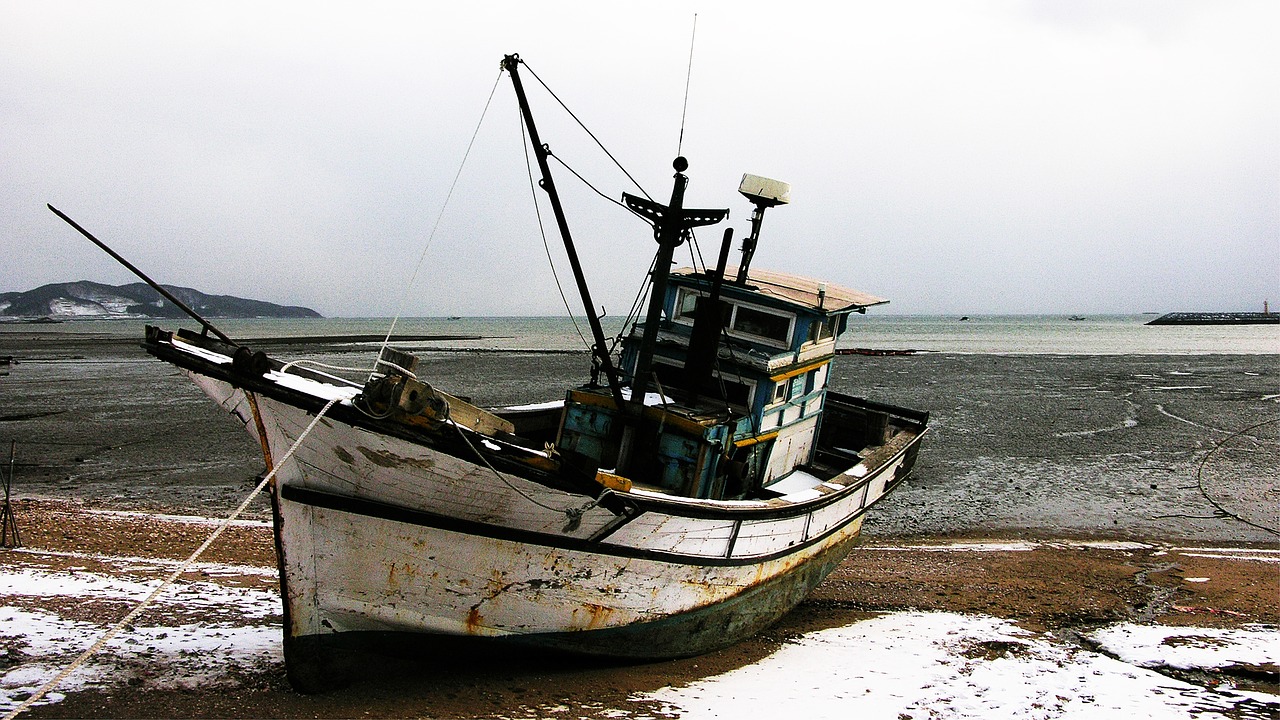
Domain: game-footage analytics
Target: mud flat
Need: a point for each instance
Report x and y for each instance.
(1172, 447)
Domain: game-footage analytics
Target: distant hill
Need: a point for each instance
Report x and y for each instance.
(90, 300)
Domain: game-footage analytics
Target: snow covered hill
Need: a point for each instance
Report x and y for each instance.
(95, 300)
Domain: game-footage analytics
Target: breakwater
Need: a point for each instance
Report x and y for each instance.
(1217, 318)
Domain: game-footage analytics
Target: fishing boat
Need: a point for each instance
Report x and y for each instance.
(686, 496)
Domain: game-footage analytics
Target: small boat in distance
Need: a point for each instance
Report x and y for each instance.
(692, 492)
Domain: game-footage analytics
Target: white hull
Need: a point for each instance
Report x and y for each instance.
(380, 534)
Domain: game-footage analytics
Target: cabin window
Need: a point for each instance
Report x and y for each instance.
(779, 393)
(822, 330)
(797, 385)
(686, 304)
(730, 388)
(771, 326)
(762, 324)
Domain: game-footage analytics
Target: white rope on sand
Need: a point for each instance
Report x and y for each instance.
(169, 580)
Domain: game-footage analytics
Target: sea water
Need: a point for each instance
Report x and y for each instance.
(1057, 335)
(981, 334)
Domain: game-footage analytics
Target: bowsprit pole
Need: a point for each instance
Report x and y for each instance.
(205, 324)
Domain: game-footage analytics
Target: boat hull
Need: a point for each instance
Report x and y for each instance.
(381, 538)
(374, 582)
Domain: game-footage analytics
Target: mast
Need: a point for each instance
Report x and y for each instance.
(672, 224)
(600, 350)
(670, 236)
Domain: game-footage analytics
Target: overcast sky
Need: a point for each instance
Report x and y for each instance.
(1081, 156)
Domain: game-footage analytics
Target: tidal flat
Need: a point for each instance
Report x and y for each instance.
(1170, 447)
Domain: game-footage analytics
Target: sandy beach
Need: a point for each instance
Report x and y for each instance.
(1061, 504)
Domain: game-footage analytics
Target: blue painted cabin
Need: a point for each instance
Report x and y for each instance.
(750, 419)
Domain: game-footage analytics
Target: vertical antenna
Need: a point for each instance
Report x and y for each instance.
(688, 75)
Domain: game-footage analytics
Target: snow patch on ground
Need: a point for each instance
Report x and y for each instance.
(926, 665)
(161, 517)
(1190, 648)
(894, 666)
(42, 644)
(249, 602)
(1018, 546)
(37, 644)
(142, 564)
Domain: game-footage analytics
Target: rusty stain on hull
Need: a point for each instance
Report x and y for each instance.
(598, 615)
(475, 621)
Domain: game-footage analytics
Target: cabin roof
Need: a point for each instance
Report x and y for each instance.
(797, 290)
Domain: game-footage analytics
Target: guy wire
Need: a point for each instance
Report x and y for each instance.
(586, 130)
(404, 295)
(543, 231)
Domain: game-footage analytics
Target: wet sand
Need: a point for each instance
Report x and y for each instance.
(1172, 453)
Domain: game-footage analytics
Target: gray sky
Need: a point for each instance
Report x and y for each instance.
(1082, 156)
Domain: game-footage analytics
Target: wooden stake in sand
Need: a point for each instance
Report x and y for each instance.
(7, 521)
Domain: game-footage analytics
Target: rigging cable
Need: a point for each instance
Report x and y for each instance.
(694, 247)
(404, 296)
(583, 180)
(537, 209)
(644, 286)
(633, 313)
(586, 130)
(695, 250)
(695, 253)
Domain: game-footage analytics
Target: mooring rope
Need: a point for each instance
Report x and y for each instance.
(146, 602)
(1205, 461)
(404, 295)
(339, 368)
